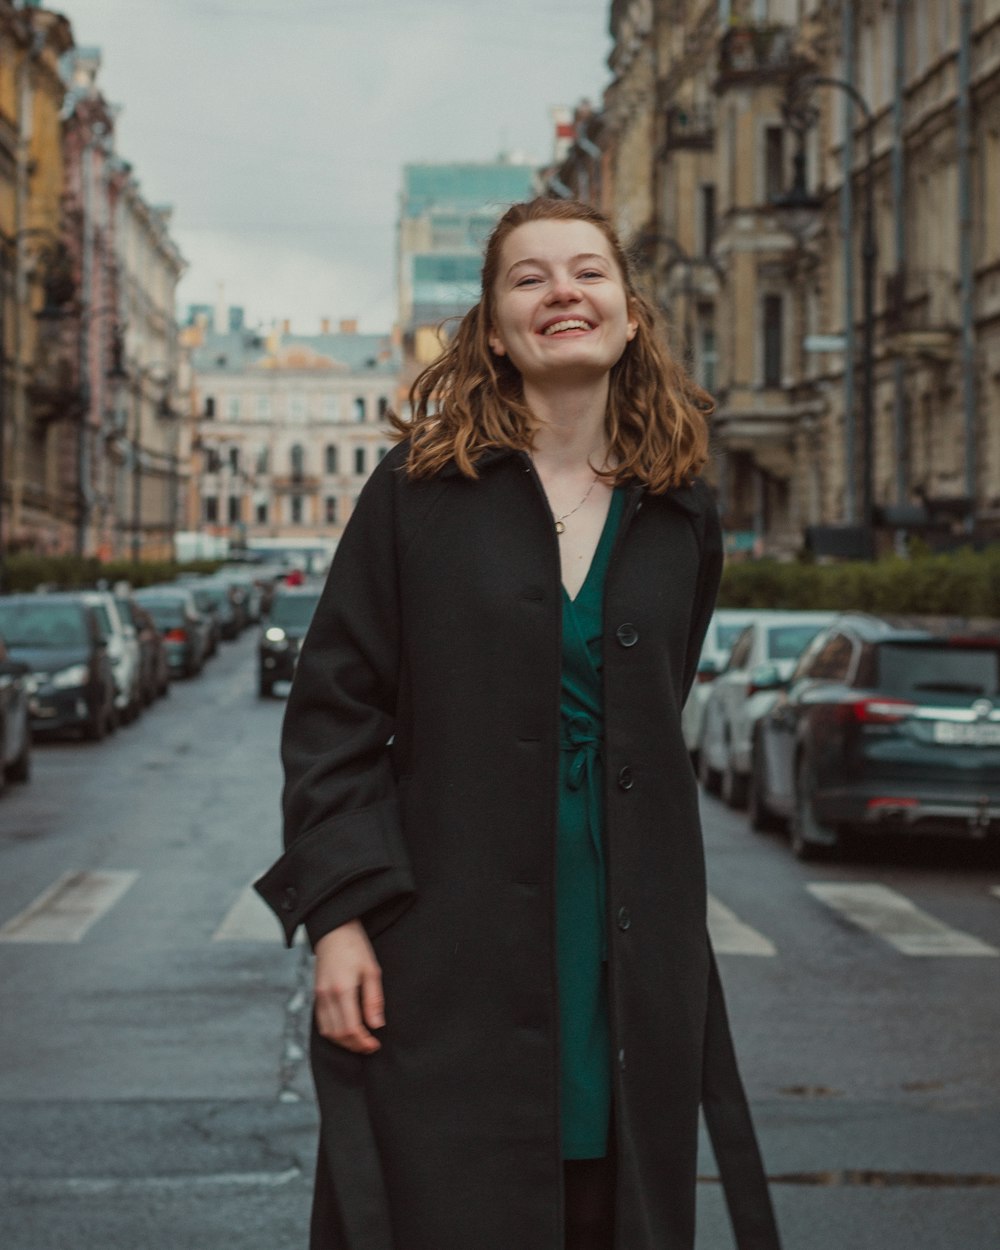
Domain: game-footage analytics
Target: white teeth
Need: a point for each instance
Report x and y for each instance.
(566, 325)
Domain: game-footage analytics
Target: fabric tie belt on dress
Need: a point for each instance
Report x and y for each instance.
(581, 738)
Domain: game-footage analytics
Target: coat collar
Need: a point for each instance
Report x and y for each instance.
(689, 496)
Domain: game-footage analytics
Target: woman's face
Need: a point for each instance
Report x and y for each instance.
(560, 307)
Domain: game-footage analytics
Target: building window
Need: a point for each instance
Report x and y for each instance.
(261, 513)
(708, 349)
(707, 218)
(234, 509)
(297, 458)
(209, 406)
(774, 163)
(297, 406)
(382, 453)
(233, 406)
(264, 406)
(211, 509)
(383, 407)
(331, 458)
(296, 509)
(331, 510)
(359, 408)
(234, 459)
(263, 460)
(359, 460)
(774, 333)
(213, 461)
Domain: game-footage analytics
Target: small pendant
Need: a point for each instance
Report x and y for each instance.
(560, 528)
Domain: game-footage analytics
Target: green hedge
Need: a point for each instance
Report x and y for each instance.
(962, 583)
(24, 571)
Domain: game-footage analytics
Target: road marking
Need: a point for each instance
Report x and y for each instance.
(97, 1186)
(891, 916)
(730, 936)
(248, 920)
(66, 910)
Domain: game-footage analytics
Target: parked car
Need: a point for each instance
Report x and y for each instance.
(219, 600)
(724, 628)
(154, 671)
(886, 725)
(16, 686)
(281, 637)
(762, 657)
(248, 591)
(183, 628)
(62, 639)
(123, 651)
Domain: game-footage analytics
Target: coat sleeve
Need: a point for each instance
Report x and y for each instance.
(707, 588)
(344, 854)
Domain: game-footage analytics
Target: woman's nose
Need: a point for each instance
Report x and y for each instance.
(564, 290)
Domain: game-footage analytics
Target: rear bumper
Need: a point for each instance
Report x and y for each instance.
(965, 814)
(278, 665)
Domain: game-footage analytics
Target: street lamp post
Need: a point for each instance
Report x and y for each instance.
(869, 261)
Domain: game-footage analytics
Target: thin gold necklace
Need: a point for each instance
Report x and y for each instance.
(560, 528)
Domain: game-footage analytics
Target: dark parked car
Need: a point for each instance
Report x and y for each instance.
(154, 670)
(282, 634)
(60, 637)
(183, 628)
(16, 685)
(218, 598)
(885, 725)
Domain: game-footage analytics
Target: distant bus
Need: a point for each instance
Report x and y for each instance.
(311, 555)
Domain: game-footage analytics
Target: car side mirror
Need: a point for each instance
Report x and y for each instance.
(764, 677)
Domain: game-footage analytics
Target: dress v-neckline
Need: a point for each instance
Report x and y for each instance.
(606, 531)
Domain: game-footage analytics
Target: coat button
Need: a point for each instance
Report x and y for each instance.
(627, 634)
(289, 898)
(625, 779)
(621, 1060)
(624, 919)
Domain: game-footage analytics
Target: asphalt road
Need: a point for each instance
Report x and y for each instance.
(153, 1088)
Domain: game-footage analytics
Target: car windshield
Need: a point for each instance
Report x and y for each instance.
(939, 674)
(292, 610)
(787, 642)
(50, 626)
(726, 635)
(210, 596)
(165, 612)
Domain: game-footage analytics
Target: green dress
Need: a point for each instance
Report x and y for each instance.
(580, 874)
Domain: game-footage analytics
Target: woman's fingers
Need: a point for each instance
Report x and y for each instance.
(372, 1001)
(348, 989)
(348, 1028)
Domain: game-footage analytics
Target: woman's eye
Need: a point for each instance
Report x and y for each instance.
(591, 273)
(526, 281)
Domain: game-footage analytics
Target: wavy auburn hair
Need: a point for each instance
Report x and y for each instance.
(470, 401)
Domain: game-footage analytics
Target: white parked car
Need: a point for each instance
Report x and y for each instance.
(123, 652)
(724, 628)
(761, 661)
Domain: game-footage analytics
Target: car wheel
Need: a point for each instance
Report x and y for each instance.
(265, 687)
(20, 769)
(733, 787)
(810, 838)
(707, 775)
(761, 817)
(96, 728)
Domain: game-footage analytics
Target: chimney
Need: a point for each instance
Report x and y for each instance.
(349, 326)
(324, 325)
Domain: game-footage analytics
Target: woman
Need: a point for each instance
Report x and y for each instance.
(491, 825)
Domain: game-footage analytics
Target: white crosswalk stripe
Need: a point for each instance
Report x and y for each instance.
(65, 911)
(731, 936)
(892, 917)
(248, 920)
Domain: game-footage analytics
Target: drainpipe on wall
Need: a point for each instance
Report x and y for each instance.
(847, 231)
(898, 158)
(966, 259)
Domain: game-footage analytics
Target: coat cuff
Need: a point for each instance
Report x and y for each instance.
(354, 858)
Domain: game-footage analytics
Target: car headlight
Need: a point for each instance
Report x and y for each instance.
(275, 634)
(75, 675)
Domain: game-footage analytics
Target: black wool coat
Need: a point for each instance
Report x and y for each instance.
(421, 749)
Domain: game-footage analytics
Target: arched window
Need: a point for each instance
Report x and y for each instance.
(359, 408)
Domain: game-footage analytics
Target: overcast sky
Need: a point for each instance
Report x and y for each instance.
(277, 129)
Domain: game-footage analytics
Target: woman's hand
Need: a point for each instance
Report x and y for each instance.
(348, 989)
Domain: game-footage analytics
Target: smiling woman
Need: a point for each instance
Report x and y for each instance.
(491, 823)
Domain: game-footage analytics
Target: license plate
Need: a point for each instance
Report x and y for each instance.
(959, 733)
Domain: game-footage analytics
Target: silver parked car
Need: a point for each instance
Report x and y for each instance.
(761, 661)
(724, 628)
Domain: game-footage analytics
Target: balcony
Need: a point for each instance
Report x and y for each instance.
(690, 127)
(757, 54)
(295, 484)
(922, 314)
